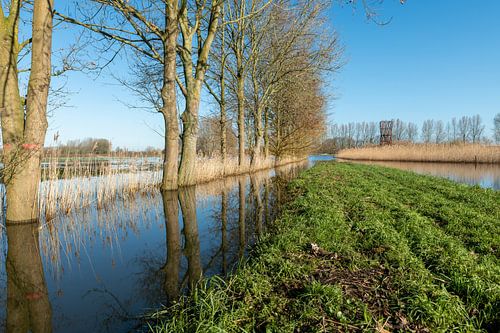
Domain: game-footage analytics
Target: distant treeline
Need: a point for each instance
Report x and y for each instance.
(467, 129)
(86, 146)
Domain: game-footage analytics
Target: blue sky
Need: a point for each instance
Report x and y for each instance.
(436, 59)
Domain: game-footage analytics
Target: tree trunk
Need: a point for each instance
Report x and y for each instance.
(187, 175)
(28, 306)
(24, 133)
(222, 101)
(241, 119)
(171, 155)
(20, 165)
(258, 134)
(277, 143)
(169, 99)
(266, 133)
(187, 170)
(223, 132)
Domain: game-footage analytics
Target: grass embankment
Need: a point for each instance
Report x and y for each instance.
(393, 251)
(448, 152)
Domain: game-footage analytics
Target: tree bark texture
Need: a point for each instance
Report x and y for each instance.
(24, 123)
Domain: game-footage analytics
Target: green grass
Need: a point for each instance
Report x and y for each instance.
(397, 252)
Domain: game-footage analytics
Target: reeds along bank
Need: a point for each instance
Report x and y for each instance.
(70, 183)
(453, 153)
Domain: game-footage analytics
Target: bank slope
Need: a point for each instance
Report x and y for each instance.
(361, 248)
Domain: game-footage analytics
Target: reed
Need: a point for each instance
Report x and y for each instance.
(215, 168)
(70, 182)
(448, 152)
(77, 182)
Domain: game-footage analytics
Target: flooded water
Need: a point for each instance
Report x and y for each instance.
(97, 270)
(484, 175)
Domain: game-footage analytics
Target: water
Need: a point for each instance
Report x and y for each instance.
(483, 175)
(97, 270)
(319, 158)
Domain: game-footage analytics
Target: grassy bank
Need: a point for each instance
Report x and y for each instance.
(454, 153)
(361, 248)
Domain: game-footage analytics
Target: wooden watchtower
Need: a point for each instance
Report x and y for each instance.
(386, 132)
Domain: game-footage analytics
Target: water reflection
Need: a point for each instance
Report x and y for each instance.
(223, 219)
(242, 215)
(105, 266)
(484, 175)
(173, 240)
(28, 306)
(258, 212)
(187, 199)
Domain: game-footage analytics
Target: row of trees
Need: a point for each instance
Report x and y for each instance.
(261, 61)
(464, 129)
(265, 73)
(85, 146)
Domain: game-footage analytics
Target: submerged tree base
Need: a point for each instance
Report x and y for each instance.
(361, 248)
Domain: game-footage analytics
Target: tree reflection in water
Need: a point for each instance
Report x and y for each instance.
(28, 306)
(241, 215)
(187, 199)
(173, 237)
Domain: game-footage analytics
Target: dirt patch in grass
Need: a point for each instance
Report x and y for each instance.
(372, 286)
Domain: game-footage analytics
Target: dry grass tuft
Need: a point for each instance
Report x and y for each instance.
(454, 153)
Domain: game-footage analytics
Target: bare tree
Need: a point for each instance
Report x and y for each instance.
(463, 126)
(427, 130)
(198, 29)
(439, 133)
(399, 130)
(412, 132)
(209, 137)
(216, 81)
(298, 43)
(496, 128)
(297, 117)
(239, 14)
(150, 29)
(24, 120)
(453, 132)
(476, 128)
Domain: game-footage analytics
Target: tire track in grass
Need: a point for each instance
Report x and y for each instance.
(423, 299)
(480, 232)
(477, 284)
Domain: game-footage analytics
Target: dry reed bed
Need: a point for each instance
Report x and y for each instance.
(76, 184)
(214, 168)
(453, 153)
